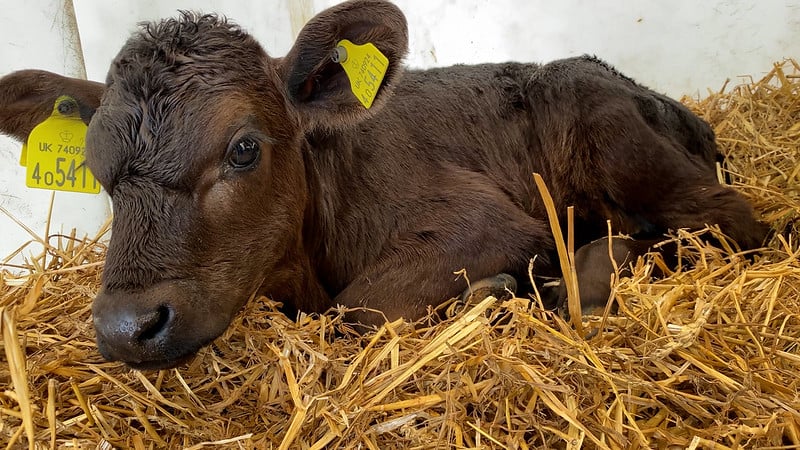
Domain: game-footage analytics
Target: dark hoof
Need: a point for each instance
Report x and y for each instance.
(501, 286)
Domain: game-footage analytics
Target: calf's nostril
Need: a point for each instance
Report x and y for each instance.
(152, 324)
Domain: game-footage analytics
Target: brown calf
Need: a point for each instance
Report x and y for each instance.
(233, 172)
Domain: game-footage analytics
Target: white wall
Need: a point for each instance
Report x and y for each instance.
(678, 47)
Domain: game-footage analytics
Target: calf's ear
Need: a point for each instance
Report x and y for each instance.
(317, 86)
(27, 98)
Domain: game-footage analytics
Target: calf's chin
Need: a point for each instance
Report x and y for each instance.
(159, 326)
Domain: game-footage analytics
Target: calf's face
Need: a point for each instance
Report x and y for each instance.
(198, 140)
(198, 149)
(206, 200)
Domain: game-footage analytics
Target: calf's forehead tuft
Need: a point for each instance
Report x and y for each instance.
(191, 47)
(192, 34)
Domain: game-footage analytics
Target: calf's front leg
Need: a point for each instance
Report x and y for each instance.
(491, 236)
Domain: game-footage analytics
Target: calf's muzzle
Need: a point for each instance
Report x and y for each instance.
(156, 327)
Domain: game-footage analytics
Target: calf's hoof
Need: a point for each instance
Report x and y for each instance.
(502, 286)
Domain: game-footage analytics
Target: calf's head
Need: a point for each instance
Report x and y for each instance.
(197, 137)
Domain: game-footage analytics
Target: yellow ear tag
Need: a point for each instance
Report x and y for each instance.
(56, 152)
(364, 65)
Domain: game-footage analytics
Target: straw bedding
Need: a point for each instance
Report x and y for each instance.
(705, 358)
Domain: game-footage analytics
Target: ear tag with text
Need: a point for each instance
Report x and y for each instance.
(364, 65)
(55, 152)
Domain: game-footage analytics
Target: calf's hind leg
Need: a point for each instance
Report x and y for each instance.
(594, 267)
(695, 206)
(657, 172)
(691, 207)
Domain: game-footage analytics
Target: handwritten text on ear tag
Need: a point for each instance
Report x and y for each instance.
(364, 65)
(55, 152)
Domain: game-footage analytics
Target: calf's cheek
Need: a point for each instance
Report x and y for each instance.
(229, 250)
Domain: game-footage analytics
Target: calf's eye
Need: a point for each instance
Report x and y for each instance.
(244, 154)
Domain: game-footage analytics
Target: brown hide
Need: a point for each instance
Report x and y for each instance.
(234, 173)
